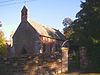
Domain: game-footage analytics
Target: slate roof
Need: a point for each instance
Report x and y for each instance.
(46, 31)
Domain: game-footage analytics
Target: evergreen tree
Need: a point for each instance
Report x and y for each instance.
(87, 30)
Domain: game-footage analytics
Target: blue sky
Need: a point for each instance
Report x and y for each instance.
(49, 12)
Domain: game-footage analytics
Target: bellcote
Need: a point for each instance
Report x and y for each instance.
(24, 14)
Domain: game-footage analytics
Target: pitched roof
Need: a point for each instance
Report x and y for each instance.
(42, 29)
(46, 31)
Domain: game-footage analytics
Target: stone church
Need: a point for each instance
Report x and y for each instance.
(33, 38)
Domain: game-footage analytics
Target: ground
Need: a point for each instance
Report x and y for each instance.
(75, 73)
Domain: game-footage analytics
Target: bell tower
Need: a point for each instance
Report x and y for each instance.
(24, 14)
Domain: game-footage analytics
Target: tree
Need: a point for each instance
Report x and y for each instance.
(67, 22)
(3, 47)
(89, 20)
(87, 28)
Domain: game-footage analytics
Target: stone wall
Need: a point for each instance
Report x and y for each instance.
(29, 65)
(17, 66)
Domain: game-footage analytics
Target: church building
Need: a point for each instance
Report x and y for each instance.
(33, 38)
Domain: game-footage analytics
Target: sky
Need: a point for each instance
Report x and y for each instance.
(48, 12)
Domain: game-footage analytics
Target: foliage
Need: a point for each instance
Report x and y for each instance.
(88, 22)
(3, 47)
(87, 29)
(84, 31)
(67, 22)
